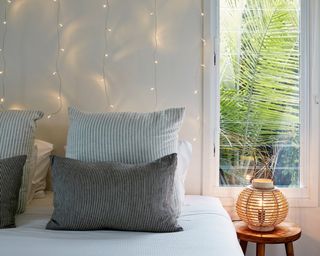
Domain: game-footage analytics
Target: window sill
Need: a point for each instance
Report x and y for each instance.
(297, 198)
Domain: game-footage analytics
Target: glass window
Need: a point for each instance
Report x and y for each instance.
(260, 92)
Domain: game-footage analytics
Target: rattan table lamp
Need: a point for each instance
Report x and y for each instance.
(262, 206)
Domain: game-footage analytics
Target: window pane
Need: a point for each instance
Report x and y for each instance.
(259, 91)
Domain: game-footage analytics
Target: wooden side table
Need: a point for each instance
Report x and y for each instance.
(285, 233)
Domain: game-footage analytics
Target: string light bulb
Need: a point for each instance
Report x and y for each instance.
(5, 22)
(2, 100)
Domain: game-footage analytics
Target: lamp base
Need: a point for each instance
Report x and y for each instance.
(261, 229)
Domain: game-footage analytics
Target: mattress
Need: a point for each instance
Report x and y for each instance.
(208, 230)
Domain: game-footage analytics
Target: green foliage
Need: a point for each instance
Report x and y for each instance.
(259, 87)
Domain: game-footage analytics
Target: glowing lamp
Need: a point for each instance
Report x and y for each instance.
(262, 206)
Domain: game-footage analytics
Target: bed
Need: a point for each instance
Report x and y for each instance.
(208, 230)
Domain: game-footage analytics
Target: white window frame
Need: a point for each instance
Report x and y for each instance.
(307, 194)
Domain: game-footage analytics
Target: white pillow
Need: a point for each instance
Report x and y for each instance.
(184, 158)
(33, 166)
(42, 151)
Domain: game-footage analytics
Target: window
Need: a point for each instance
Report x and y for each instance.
(259, 112)
(260, 90)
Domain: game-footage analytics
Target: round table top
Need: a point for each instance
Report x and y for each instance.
(283, 233)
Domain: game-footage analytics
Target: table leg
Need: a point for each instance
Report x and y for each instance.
(260, 251)
(243, 245)
(289, 249)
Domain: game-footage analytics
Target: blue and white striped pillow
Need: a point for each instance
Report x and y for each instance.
(17, 129)
(125, 137)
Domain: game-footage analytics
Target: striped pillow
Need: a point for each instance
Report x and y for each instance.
(10, 181)
(17, 129)
(110, 195)
(125, 137)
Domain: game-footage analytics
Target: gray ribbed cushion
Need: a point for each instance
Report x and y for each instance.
(125, 137)
(10, 181)
(17, 129)
(110, 195)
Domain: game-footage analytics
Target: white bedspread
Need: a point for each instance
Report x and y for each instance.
(208, 231)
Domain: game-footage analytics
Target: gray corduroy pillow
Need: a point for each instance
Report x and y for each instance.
(11, 170)
(111, 195)
(17, 128)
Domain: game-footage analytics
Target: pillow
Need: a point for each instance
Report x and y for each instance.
(42, 150)
(11, 170)
(111, 195)
(32, 169)
(184, 158)
(17, 129)
(125, 137)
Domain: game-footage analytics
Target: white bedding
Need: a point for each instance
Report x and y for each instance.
(208, 231)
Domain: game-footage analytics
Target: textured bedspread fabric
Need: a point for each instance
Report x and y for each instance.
(208, 231)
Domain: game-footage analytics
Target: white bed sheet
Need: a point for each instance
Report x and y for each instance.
(208, 231)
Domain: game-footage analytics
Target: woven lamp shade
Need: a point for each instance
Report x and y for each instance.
(262, 206)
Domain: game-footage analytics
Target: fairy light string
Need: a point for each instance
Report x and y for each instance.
(202, 60)
(203, 42)
(107, 30)
(155, 53)
(2, 53)
(60, 50)
(203, 65)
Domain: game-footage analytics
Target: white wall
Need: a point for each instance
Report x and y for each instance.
(30, 55)
(31, 52)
